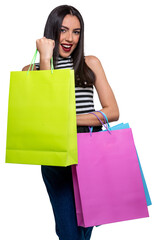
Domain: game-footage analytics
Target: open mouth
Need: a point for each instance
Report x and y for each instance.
(66, 47)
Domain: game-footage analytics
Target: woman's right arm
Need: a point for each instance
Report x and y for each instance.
(45, 47)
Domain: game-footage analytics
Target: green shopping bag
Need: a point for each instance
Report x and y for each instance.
(41, 125)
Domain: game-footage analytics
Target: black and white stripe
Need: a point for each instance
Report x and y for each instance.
(84, 96)
(84, 100)
(64, 63)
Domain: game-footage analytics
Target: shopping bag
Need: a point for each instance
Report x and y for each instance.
(107, 181)
(148, 199)
(41, 125)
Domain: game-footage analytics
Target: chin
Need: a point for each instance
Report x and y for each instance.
(64, 55)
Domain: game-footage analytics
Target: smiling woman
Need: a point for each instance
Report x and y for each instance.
(69, 37)
(64, 41)
(66, 27)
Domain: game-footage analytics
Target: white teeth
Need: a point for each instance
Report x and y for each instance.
(66, 46)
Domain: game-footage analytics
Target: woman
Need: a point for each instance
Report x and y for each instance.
(64, 40)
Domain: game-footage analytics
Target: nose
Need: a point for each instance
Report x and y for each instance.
(69, 36)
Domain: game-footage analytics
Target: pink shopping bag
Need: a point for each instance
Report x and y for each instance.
(107, 181)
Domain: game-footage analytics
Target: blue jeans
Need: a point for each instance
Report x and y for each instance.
(59, 185)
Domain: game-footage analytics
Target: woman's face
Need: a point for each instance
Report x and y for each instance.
(69, 36)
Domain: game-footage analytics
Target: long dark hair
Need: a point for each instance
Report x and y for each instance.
(84, 76)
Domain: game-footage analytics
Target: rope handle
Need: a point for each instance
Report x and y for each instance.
(33, 62)
(106, 124)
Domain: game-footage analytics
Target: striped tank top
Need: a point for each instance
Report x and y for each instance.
(84, 96)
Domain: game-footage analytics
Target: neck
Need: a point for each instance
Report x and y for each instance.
(64, 57)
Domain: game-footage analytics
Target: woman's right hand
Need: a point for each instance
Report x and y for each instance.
(45, 47)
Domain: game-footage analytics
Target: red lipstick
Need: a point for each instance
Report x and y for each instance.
(66, 47)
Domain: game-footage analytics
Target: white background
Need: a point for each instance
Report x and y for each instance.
(124, 35)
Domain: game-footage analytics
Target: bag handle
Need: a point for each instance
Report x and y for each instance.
(34, 59)
(105, 118)
(106, 124)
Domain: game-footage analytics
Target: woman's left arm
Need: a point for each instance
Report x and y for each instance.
(105, 93)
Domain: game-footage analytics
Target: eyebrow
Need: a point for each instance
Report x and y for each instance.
(68, 28)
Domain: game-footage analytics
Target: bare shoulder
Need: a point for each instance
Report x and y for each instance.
(27, 67)
(92, 61)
